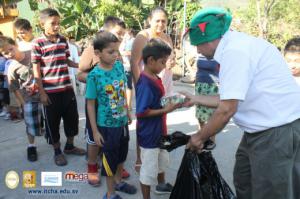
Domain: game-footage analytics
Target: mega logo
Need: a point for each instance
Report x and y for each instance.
(76, 177)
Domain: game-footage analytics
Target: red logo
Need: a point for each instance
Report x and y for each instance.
(76, 177)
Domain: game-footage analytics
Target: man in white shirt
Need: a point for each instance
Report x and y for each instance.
(257, 90)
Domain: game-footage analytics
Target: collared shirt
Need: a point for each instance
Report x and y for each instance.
(254, 72)
(53, 59)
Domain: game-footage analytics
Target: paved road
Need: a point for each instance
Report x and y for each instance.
(13, 143)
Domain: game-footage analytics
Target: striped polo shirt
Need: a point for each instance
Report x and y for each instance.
(52, 57)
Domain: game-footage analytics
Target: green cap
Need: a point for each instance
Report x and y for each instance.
(209, 24)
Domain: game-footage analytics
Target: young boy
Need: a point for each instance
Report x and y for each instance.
(20, 79)
(24, 32)
(87, 62)
(49, 56)
(4, 92)
(151, 118)
(292, 56)
(106, 85)
(125, 50)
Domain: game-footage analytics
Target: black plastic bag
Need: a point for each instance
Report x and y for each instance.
(177, 139)
(171, 142)
(199, 178)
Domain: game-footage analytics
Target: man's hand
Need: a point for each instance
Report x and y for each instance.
(295, 71)
(98, 139)
(45, 100)
(189, 99)
(196, 143)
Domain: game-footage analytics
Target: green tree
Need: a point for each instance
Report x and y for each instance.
(79, 17)
(274, 20)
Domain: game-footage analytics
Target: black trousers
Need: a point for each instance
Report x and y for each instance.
(63, 106)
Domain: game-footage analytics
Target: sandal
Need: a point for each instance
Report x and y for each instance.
(60, 160)
(115, 196)
(75, 151)
(126, 188)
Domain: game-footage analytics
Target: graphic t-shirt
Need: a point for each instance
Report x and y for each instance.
(108, 87)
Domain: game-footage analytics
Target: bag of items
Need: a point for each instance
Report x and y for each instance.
(199, 178)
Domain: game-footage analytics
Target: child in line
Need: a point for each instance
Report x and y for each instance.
(292, 56)
(25, 36)
(87, 62)
(125, 50)
(106, 85)
(167, 75)
(4, 93)
(24, 32)
(49, 56)
(20, 78)
(151, 118)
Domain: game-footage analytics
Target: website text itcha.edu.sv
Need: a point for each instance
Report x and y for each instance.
(51, 191)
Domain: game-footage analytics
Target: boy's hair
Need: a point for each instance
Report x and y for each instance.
(4, 41)
(46, 13)
(112, 21)
(293, 45)
(22, 24)
(103, 39)
(157, 49)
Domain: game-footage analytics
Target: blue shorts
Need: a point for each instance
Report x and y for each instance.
(88, 128)
(115, 148)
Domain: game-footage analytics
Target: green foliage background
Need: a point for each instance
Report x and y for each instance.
(82, 18)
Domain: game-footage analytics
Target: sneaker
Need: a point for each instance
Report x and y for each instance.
(7, 116)
(125, 174)
(3, 113)
(164, 188)
(31, 154)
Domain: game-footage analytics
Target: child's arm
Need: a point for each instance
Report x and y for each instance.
(156, 112)
(81, 76)
(86, 59)
(72, 64)
(92, 116)
(128, 112)
(37, 75)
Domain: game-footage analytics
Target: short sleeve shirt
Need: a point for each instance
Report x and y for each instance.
(254, 72)
(108, 88)
(149, 92)
(52, 57)
(20, 76)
